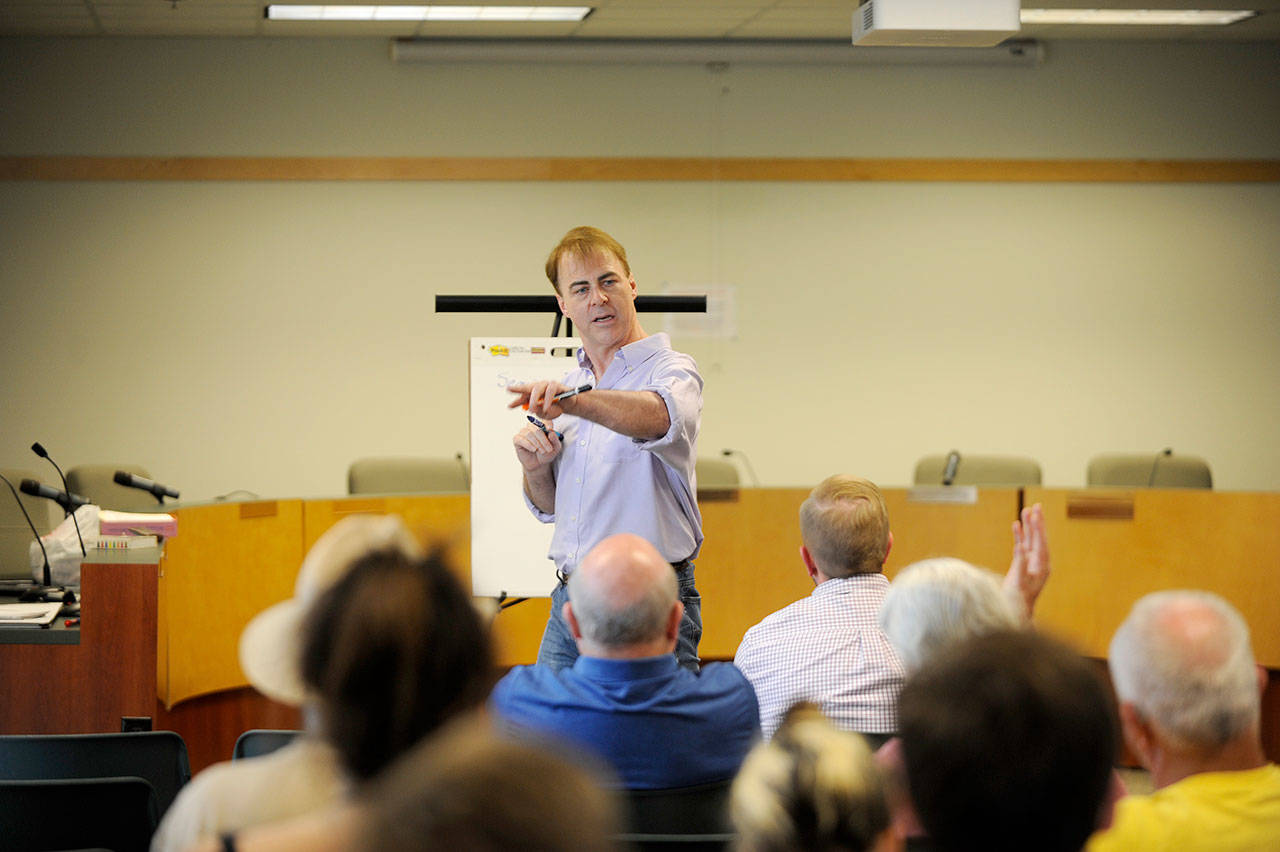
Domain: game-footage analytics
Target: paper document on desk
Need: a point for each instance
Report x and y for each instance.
(137, 523)
(29, 614)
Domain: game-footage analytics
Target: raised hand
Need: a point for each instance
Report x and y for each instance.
(1029, 568)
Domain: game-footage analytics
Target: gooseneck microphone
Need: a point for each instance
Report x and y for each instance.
(466, 472)
(48, 577)
(39, 450)
(953, 464)
(1167, 451)
(68, 502)
(755, 480)
(155, 489)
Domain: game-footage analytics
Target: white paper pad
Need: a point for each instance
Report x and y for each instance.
(29, 614)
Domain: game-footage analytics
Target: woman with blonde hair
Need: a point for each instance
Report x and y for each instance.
(811, 787)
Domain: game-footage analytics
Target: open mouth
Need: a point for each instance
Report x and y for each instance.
(602, 319)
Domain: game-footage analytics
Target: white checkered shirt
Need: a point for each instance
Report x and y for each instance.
(828, 649)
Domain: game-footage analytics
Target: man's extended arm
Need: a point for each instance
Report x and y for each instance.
(636, 414)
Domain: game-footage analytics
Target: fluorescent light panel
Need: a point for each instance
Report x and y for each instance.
(1150, 17)
(427, 13)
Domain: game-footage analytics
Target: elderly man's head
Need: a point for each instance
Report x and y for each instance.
(624, 600)
(1184, 670)
(936, 603)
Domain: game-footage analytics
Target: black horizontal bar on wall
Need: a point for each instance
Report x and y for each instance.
(547, 304)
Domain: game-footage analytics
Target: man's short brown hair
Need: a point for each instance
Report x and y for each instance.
(584, 242)
(845, 526)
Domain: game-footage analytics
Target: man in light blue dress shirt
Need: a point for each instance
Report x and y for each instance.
(619, 458)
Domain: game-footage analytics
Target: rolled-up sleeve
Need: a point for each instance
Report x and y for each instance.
(545, 517)
(678, 383)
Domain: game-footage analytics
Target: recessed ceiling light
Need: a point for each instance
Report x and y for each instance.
(1151, 17)
(427, 13)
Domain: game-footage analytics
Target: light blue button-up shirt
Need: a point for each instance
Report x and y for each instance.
(608, 483)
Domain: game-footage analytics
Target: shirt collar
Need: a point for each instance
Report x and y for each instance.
(633, 353)
(845, 585)
(600, 668)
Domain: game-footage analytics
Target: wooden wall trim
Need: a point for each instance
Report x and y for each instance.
(568, 169)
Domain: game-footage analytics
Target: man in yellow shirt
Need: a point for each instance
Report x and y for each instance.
(1190, 696)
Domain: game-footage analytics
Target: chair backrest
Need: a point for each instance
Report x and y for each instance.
(119, 814)
(260, 741)
(995, 471)
(407, 475)
(1148, 470)
(716, 474)
(97, 482)
(694, 817)
(158, 756)
(15, 535)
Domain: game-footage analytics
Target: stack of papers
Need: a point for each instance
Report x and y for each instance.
(137, 523)
(29, 614)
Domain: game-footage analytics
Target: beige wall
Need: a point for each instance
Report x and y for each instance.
(263, 335)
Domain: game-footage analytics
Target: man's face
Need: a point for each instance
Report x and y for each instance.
(598, 295)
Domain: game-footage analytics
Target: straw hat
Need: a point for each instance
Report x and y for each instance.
(271, 644)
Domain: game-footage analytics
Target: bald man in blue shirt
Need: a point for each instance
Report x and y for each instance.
(625, 700)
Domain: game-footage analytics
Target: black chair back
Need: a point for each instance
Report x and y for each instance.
(260, 741)
(160, 757)
(688, 818)
(119, 814)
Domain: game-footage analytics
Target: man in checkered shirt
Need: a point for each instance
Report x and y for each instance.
(827, 648)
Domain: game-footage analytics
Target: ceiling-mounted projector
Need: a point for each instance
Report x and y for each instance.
(936, 23)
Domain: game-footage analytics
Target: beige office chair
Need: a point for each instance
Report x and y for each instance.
(715, 474)
(97, 482)
(1148, 470)
(1001, 471)
(15, 535)
(408, 475)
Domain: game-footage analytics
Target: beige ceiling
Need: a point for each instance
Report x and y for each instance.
(622, 19)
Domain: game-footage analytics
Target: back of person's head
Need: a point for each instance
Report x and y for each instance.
(583, 242)
(845, 526)
(468, 790)
(811, 787)
(1183, 660)
(623, 592)
(935, 603)
(391, 651)
(1008, 741)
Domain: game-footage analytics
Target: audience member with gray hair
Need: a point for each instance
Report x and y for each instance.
(625, 699)
(1190, 697)
(936, 603)
(811, 787)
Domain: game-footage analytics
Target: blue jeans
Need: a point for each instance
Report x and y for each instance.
(558, 649)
